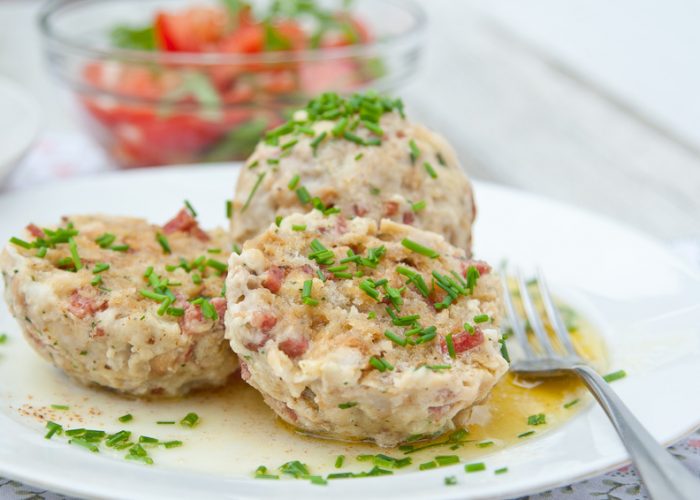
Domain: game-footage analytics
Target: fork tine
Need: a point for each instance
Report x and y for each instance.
(554, 316)
(534, 317)
(513, 318)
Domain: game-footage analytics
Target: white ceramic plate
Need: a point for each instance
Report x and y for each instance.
(19, 122)
(644, 300)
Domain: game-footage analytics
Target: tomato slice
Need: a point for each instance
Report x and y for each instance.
(193, 30)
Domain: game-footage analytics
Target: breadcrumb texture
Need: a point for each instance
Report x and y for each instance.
(312, 362)
(110, 335)
(368, 181)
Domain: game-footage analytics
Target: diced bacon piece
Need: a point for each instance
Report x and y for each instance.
(480, 266)
(341, 224)
(219, 304)
(273, 279)
(263, 321)
(408, 218)
(34, 230)
(359, 210)
(391, 208)
(245, 372)
(464, 341)
(294, 346)
(82, 306)
(97, 332)
(184, 222)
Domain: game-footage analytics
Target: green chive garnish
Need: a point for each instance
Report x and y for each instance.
(450, 480)
(77, 263)
(475, 467)
(298, 227)
(229, 209)
(526, 434)
(100, 267)
(414, 151)
(190, 420)
(345, 406)
(190, 208)
(537, 419)
(53, 428)
(420, 249)
(261, 176)
(481, 318)
(396, 339)
(293, 183)
(418, 206)
(60, 407)
(502, 470)
(571, 403)
(306, 294)
(126, 418)
(163, 242)
(612, 377)
(339, 461)
(429, 168)
(20, 243)
(450, 346)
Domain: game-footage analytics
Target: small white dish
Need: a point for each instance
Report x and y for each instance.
(645, 301)
(19, 122)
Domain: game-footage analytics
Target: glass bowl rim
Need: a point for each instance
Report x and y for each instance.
(67, 44)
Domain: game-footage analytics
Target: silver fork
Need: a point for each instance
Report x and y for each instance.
(664, 477)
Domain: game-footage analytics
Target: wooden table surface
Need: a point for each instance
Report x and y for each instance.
(518, 112)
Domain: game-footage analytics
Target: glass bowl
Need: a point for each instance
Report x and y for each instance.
(156, 108)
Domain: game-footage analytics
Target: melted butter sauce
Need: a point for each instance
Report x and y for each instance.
(237, 432)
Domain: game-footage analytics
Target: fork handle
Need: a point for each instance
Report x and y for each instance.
(664, 476)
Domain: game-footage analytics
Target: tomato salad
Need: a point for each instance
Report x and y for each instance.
(150, 113)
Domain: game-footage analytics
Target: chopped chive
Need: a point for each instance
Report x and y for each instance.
(236, 248)
(443, 460)
(299, 227)
(158, 297)
(229, 209)
(3, 338)
(359, 156)
(339, 461)
(353, 138)
(97, 280)
(371, 315)
(418, 206)
(502, 470)
(437, 368)
(414, 150)
(571, 403)
(175, 311)
(484, 444)
(278, 220)
(254, 164)
(441, 159)
(340, 127)
(72, 245)
(293, 183)
(345, 406)
(222, 267)
(41, 253)
(367, 287)
(469, 329)
(190, 208)
(289, 145)
(420, 249)
(100, 267)
(273, 161)
(147, 440)
(450, 480)
(303, 195)
(105, 240)
(20, 243)
(380, 364)
(213, 250)
(450, 346)
(526, 434)
(431, 171)
(306, 293)
(85, 444)
(60, 407)
(163, 242)
(119, 248)
(172, 444)
(317, 140)
(126, 418)
(428, 465)
(165, 422)
(259, 180)
(53, 428)
(481, 318)
(190, 420)
(612, 377)
(537, 419)
(475, 467)
(374, 191)
(396, 339)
